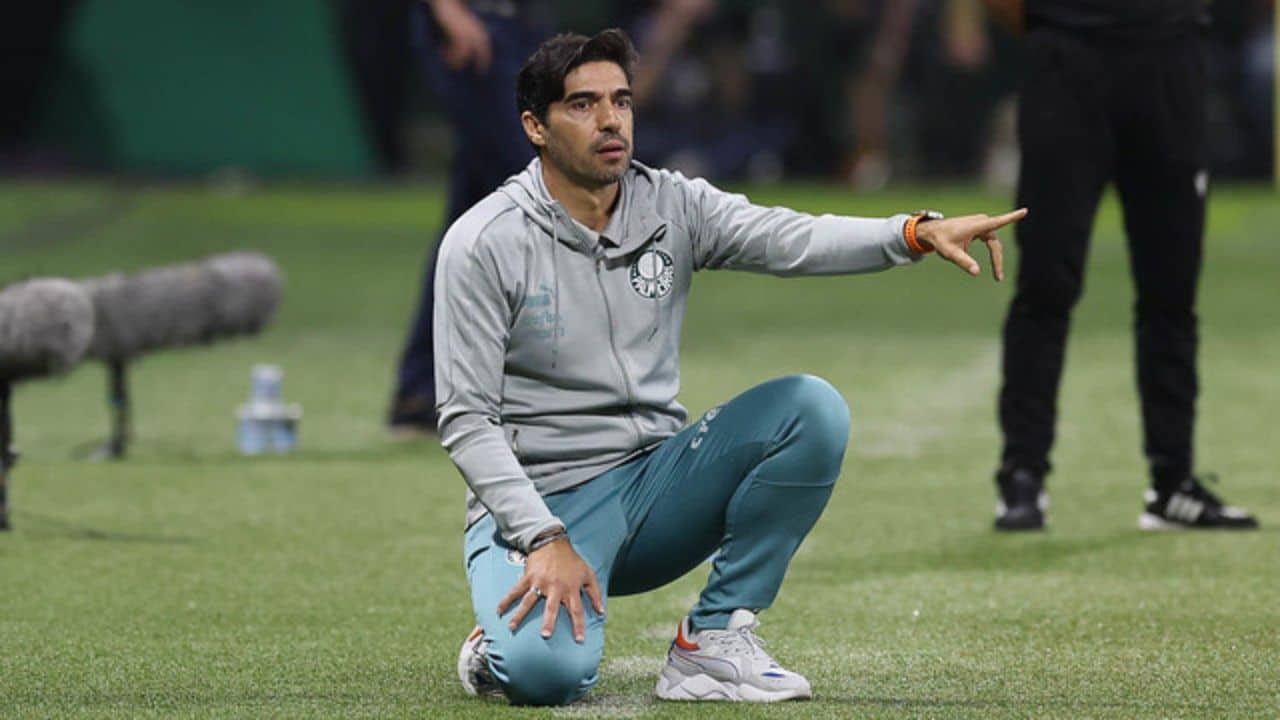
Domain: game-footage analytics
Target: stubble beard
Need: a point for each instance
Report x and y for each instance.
(583, 172)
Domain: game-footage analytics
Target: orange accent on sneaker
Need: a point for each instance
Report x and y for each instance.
(475, 633)
(682, 642)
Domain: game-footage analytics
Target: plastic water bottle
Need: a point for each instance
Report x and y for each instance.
(264, 383)
(265, 423)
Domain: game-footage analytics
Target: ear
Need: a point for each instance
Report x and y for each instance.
(533, 129)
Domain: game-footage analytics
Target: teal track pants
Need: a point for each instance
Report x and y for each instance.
(748, 480)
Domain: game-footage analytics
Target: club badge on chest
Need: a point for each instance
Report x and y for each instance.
(653, 273)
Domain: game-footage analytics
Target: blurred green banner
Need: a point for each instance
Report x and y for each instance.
(155, 86)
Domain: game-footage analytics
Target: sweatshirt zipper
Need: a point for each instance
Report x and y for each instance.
(613, 346)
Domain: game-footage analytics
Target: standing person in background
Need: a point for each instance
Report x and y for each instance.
(1113, 91)
(848, 58)
(671, 25)
(470, 52)
(710, 69)
(869, 164)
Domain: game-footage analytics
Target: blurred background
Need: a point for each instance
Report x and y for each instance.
(858, 92)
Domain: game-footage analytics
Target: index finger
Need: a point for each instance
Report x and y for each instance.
(520, 588)
(999, 221)
(525, 607)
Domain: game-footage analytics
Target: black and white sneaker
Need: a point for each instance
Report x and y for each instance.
(1192, 506)
(1022, 502)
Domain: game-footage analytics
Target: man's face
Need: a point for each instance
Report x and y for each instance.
(588, 133)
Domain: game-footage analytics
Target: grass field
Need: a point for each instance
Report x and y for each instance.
(189, 581)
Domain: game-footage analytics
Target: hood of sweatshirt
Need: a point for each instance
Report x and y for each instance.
(639, 222)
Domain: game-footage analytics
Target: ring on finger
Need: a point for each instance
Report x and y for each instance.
(537, 592)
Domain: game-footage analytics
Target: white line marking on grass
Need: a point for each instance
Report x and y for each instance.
(620, 669)
(930, 410)
(624, 669)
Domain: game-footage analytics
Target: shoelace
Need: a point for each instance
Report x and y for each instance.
(742, 641)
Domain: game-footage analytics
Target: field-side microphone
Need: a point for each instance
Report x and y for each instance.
(45, 327)
(194, 303)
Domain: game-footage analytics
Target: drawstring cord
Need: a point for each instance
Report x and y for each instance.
(657, 300)
(657, 296)
(555, 275)
(657, 314)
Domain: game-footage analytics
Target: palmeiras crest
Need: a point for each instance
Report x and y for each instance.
(653, 273)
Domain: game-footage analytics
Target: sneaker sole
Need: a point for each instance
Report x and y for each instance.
(1154, 523)
(704, 688)
(1044, 525)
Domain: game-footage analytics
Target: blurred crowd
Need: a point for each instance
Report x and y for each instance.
(863, 91)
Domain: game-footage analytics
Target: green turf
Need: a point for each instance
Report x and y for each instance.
(188, 581)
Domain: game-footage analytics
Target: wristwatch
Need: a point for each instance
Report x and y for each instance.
(909, 230)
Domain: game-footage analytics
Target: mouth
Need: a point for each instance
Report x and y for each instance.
(612, 150)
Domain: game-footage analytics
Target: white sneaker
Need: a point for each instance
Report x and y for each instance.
(728, 664)
(473, 666)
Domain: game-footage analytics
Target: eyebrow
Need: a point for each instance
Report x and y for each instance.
(592, 95)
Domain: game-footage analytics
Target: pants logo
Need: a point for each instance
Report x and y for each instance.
(703, 426)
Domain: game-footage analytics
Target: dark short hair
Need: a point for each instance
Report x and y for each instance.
(541, 80)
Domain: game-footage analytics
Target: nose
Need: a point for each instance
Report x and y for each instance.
(608, 118)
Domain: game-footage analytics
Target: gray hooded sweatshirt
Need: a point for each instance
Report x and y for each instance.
(557, 348)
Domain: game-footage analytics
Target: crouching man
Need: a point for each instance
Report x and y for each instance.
(559, 303)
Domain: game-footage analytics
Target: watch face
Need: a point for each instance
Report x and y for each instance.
(929, 214)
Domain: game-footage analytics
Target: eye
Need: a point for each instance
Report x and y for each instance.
(624, 102)
(579, 105)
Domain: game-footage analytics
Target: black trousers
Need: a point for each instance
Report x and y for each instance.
(1094, 111)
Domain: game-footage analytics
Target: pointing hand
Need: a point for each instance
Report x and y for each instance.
(951, 237)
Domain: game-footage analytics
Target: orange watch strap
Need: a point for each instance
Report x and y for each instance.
(909, 234)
